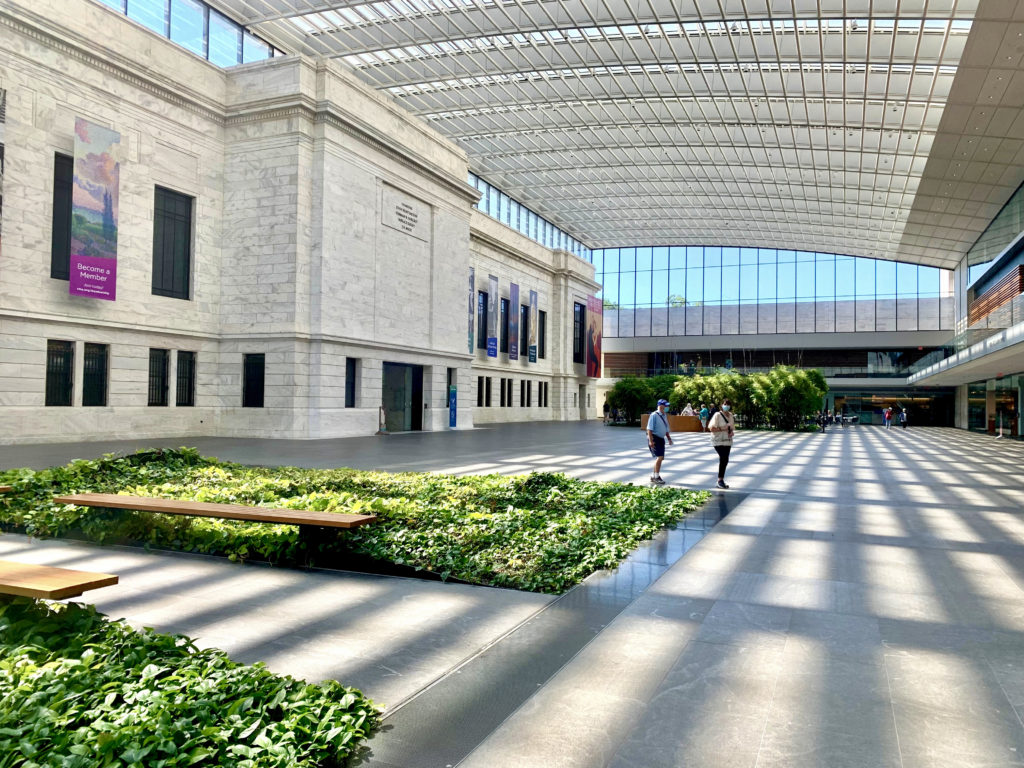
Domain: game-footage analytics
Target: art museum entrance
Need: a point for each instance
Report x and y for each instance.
(403, 397)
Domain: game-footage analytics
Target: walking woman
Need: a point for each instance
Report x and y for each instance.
(723, 427)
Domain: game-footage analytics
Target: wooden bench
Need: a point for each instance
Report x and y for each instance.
(311, 524)
(44, 581)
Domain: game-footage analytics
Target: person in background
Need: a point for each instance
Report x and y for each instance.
(723, 428)
(887, 416)
(688, 410)
(903, 418)
(607, 410)
(705, 414)
(657, 435)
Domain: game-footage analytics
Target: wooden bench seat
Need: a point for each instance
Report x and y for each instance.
(44, 581)
(300, 517)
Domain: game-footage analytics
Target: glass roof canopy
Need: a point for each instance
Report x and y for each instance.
(781, 123)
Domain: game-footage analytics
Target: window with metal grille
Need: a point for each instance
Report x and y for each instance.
(350, 382)
(186, 395)
(60, 371)
(60, 228)
(542, 332)
(253, 368)
(172, 244)
(158, 360)
(579, 354)
(94, 374)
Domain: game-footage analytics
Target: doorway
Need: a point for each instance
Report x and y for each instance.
(402, 397)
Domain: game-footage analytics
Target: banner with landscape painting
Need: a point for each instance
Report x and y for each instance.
(94, 200)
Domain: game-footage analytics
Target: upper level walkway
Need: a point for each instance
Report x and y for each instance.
(861, 605)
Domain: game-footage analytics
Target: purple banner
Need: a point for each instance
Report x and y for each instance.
(513, 321)
(532, 349)
(94, 200)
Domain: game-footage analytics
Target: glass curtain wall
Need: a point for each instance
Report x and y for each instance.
(705, 290)
(1003, 230)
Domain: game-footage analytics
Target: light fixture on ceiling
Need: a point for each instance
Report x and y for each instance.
(735, 27)
(854, 25)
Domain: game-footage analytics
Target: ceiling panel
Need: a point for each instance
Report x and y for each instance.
(822, 125)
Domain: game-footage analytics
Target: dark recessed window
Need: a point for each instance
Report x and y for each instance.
(350, 382)
(481, 320)
(579, 354)
(522, 393)
(524, 324)
(186, 379)
(487, 393)
(158, 362)
(542, 332)
(60, 232)
(504, 326)
(479, 391)
(253, 368)
(95, 365)
(529, 394)
(60, 371)
(172, 244)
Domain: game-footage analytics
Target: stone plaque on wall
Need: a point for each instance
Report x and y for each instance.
(405, 213)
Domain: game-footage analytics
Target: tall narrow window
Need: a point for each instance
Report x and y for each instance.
(60, 371)
(524, 324)
(158, 359)
(529, 394)
(253, 367)
(522, 393)
(487, 393)
(508, 397)
(172, 244)
(350, 382)
(94, 374)
(186, 389)
(504, 325)
(481, 320)
(579, 354)
(542, 332)
(60, 227)
(479, 391)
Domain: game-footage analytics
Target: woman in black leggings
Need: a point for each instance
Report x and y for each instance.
(722, 427)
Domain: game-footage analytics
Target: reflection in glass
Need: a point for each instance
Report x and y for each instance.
(188, 25)
(151, 13)
(225, 41)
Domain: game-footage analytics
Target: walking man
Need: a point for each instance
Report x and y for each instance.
(657, 434)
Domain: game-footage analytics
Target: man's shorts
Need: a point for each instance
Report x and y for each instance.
(658, 449)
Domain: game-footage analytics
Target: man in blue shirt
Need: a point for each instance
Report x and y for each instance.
(657, 434)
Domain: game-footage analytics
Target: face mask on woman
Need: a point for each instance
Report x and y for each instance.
(726, 408)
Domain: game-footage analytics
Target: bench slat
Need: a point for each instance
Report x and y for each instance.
(210, 509)
(45, 581)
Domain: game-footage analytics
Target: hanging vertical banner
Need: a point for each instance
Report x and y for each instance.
(472, 305)
(493, 304)
(94, 196)
(513, 321)
(452, 406)
(595, 323)
(533, 327)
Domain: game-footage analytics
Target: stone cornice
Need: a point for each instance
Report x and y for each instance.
(112, 64)
(326, 113)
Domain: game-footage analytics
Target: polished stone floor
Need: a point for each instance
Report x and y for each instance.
(861, 605)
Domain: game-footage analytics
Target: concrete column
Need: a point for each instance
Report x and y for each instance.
(960, 411)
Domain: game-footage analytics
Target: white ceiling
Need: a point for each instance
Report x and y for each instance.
(885, 128)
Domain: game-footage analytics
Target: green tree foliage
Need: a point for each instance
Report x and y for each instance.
(780, 399)
(662, 387)
(632, 396)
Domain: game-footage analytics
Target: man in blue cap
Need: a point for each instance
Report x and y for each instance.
(657, 434)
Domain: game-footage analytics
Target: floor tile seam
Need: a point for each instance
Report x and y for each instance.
(771, 705)
(892, 708)
(1002, 688)
(454, 668)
